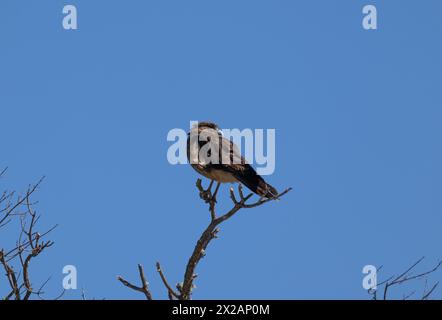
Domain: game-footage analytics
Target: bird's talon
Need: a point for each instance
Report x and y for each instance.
(206, 195)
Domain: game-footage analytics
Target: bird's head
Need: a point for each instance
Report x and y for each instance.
(206, 126)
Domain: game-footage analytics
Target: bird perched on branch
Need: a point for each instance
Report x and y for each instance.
(220, 160)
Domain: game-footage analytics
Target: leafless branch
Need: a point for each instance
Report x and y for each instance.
(405, 277)
(144, 284)
(28, 247)
(212, 230)
(171, 293)
(10, 208)
(428, 294)
(185, 288)
(11, 276)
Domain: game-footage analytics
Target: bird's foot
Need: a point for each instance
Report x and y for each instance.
(206, 195)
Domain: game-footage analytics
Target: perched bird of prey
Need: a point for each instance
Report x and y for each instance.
(219, 159)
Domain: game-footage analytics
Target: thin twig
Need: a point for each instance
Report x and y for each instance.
(170, 291)
(144, 284)
(428, 294)
(407, 276)
(25, 250)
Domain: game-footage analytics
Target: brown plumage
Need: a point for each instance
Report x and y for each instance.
(233, 169)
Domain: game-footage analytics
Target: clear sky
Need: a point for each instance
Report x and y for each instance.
(357, 115)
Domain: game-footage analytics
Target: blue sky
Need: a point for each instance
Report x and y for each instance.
(358, 124)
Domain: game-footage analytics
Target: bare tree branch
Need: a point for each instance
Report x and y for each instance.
(171, 293)
(406, 277)
(12, 279)
(9, 209)
(185, 288)
(28, 246)
(428, 294)
(212, 230)
(144, 284)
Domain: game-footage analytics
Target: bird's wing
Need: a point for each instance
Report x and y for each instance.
(244, 172)
(229, 156)
(230, 151)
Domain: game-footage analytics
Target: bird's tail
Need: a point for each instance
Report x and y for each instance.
(266, 190)
(256, 183)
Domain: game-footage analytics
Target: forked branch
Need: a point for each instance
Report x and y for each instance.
(185, 288)
(405, 277)
(144, 284)
(30, 243)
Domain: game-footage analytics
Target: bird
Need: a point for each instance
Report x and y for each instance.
(227, 165)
